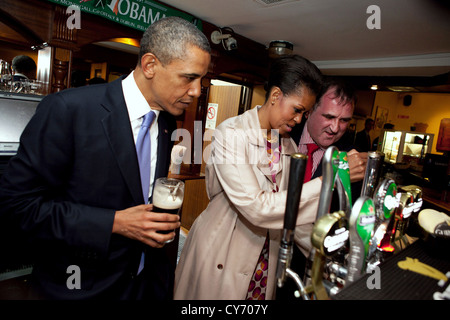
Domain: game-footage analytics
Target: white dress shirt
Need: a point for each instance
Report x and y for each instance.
(137, 107)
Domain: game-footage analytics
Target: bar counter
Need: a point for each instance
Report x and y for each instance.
(400, 284)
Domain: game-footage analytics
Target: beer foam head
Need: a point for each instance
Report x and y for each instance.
(163, 199)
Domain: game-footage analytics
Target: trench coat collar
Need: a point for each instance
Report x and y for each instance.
(250, 123)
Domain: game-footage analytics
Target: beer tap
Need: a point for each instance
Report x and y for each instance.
(361, 225)
(385, 201)
(296, 176)
(372, 174)
(416, 193)
(336, 265)
(409, 203)
(362, 220)
(330, 167)
(330, 232)
(402, 213)
(329, 235)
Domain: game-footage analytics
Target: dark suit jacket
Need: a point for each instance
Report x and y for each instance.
(362, 141)
(76, 165)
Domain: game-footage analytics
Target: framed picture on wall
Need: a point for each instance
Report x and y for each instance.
(443, 142)
(381, 117)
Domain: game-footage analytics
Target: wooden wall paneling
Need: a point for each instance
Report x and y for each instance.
(227, 97)
(195, 201)
(32, 15)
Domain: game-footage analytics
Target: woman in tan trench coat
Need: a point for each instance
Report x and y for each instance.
(247, 188)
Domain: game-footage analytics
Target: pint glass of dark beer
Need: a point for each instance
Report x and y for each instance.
(168, 196)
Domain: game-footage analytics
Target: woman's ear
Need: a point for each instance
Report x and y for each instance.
(148, 63)
(275, 94)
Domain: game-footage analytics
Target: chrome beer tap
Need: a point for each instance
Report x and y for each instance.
(385, 201)
(330, 232)
(362, 220)
(409, 203)
(336, 270)
(330, 167)
(361, 225)
(296, 176)
(372, 174)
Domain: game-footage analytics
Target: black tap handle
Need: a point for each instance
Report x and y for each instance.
(296, 176)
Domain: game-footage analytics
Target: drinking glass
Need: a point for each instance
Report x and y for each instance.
(168, 196)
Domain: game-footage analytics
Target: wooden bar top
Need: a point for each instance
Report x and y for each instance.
(435, 199)
(187, 176)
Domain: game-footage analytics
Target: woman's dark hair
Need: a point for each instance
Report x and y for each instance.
(292, 73)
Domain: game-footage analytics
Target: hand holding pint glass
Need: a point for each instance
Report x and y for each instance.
(168, 197)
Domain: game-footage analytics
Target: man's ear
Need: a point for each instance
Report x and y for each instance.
(148, 63)
(306, 114)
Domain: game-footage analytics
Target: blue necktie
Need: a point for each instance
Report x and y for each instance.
(143, 147)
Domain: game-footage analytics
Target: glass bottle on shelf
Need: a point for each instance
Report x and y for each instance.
(5, 76)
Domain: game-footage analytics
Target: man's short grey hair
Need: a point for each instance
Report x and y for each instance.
(169, 37)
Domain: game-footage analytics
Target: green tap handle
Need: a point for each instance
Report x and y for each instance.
(344, 184)
(361, 225)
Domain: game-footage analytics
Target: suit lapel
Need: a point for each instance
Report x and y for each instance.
(118, 131)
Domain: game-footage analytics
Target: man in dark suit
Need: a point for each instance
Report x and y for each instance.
(362, 139)
(74, 187)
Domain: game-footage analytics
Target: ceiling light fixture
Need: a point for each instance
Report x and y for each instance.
(402, 89)
(279, 48)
